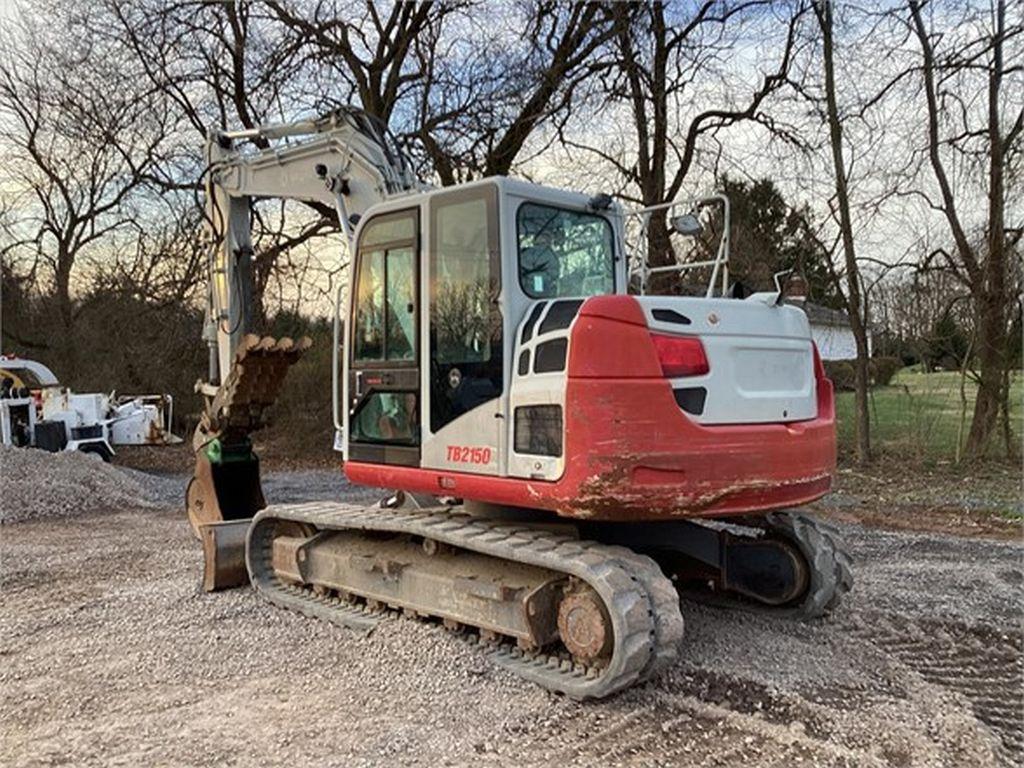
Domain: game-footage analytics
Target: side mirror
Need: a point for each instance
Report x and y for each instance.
(686, 224)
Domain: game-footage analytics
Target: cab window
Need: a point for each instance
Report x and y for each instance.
(564, 252)
(385, 308)
(466, 362)
(388, 417)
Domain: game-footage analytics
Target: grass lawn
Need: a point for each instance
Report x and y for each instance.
(918, 416)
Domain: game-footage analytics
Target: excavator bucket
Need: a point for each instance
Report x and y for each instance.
(225, 491)
(225, 488)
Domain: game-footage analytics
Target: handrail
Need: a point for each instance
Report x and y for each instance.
(720, 264)
(335, 359)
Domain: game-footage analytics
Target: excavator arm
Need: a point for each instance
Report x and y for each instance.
(345, 160)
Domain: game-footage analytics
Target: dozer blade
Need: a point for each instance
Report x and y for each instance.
(224, 554)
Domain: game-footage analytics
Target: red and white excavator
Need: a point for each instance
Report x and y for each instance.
(565, 457)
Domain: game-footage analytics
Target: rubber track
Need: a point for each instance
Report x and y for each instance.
(647, 625)
(831, 572)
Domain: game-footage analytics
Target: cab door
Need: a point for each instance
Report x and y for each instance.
(383, 345)
(465, 379)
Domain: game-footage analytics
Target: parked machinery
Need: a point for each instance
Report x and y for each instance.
(36, 411)
(563, 454)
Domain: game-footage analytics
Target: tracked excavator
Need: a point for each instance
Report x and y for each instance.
(563, 453)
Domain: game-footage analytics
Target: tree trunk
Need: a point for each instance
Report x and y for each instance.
(1007, 428)
(62, 294)
(991, 296)
(823, 10)
(991, 333)
(661, 254)
(987, 273)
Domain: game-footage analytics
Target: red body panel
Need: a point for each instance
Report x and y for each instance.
(633, 454)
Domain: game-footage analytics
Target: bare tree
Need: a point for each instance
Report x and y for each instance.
(662, 56)
(465, 94)
(363, 43)
(853, 293)
(964, 133)
(559, 57)
(80, 145)
(225, 65)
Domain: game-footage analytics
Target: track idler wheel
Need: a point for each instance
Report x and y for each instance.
(583, 624)
(767, 569)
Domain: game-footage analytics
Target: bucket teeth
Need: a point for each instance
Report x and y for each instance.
(254, 381)
(284, 344)
(248, 342)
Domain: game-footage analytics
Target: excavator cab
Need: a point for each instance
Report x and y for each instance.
(440, 282)
(493, 353)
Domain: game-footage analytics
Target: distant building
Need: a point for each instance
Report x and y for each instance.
(831, 331)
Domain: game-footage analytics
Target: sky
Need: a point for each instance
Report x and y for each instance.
(899, 229)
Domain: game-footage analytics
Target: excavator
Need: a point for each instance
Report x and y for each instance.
(561, 453)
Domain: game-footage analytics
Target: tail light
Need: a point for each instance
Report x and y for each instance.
(680, 356)
(819, 367)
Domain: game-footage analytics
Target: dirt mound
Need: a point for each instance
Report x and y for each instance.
(36, 484)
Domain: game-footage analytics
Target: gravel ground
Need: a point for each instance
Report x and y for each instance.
(112, 656)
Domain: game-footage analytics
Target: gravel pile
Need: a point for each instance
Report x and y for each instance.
(37, 484)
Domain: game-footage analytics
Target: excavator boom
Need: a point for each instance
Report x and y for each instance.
(345, 162)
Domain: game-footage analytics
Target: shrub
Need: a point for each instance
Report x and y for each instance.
(883, 369)
(841, 372)
(947, 345)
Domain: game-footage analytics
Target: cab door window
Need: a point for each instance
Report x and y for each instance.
(385, 308)
(388, 417)
(465, 318)
(384, 385)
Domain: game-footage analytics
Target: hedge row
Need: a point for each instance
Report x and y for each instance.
(880, 371)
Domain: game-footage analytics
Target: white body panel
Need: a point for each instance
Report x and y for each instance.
(530, 387)
(474, 442)
(141, 420)
(74, 410)
(760, 357)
